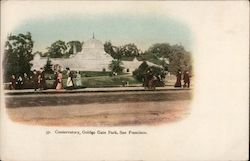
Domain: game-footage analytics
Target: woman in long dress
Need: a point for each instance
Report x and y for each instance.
(59, 81)
(78, 79)
(178, 79)
(70, 83)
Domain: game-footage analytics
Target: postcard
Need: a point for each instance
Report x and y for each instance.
(124, 80)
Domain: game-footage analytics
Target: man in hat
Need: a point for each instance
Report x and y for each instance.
(186, 78)
(43, 85)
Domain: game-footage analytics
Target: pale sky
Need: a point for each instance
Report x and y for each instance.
(142, 30)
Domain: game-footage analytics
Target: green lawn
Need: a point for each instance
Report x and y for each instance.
(92, 81)
(102, 81)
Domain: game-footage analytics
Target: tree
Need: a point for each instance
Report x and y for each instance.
(129, 50)
(141, 71)
(57, 49)
(73, 47)
(178, 57)
(18, 54)
(160, 50)
(48, 66)
(112, 50)
(115, 66)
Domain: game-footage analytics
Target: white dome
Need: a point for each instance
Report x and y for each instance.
(91, 58)
(93, 44)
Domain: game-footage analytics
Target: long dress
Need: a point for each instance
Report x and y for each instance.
(178, 80)
(78, 80)
(43, 81)
(70, 83)
(59, 82)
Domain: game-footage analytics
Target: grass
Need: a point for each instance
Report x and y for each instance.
(102, 81)
(99, 79)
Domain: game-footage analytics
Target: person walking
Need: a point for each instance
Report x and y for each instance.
(178, 79)
(25, 81)
(186, 78)
(35, 80)
(13, 82)
(55, 79)
(20, 82)
(70, 83)
(43, 85)
(59, 81)
(78, 79)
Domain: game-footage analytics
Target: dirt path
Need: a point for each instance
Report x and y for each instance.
(111, 114)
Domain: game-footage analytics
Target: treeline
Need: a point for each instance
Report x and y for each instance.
(18, 53)
(61, 49)
(171, 57)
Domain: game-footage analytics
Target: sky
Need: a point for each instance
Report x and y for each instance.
(120, 29)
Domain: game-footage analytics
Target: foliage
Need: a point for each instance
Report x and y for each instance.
(73, 47)
(141, 71)
(178, 57)
(129, 50)
(57, 49)
(18, 54)
(48, 66)
(115, 66)
(111, 50)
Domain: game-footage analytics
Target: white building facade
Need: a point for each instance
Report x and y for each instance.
(91, 58)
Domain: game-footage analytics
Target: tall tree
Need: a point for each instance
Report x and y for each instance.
(140, 72)
(115, 66)
(18, 54)
(57, 49)
(48, 66)
(179, 58)
(112, 50)
(73, 47)
(129, 50)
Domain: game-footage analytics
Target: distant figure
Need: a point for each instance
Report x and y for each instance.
(59, 81)
(178, 79)
(35, 80)
(148, 76)
(43, 85)
(55, 80)
(25, 80)
(20, 83)
(186, 78)
(13, 82)
(78, 79)
(150, 79)
(125, 83)
(152, 82)
(70, 83)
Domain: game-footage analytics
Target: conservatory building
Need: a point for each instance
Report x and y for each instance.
(91, 58)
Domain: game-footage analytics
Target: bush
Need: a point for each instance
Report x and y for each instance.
(140, 73)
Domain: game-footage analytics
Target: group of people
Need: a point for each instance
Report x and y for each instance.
(150, 80)
(75, 80)
(38, 80)
(17, 83)
(185, 77)
(70, 84)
